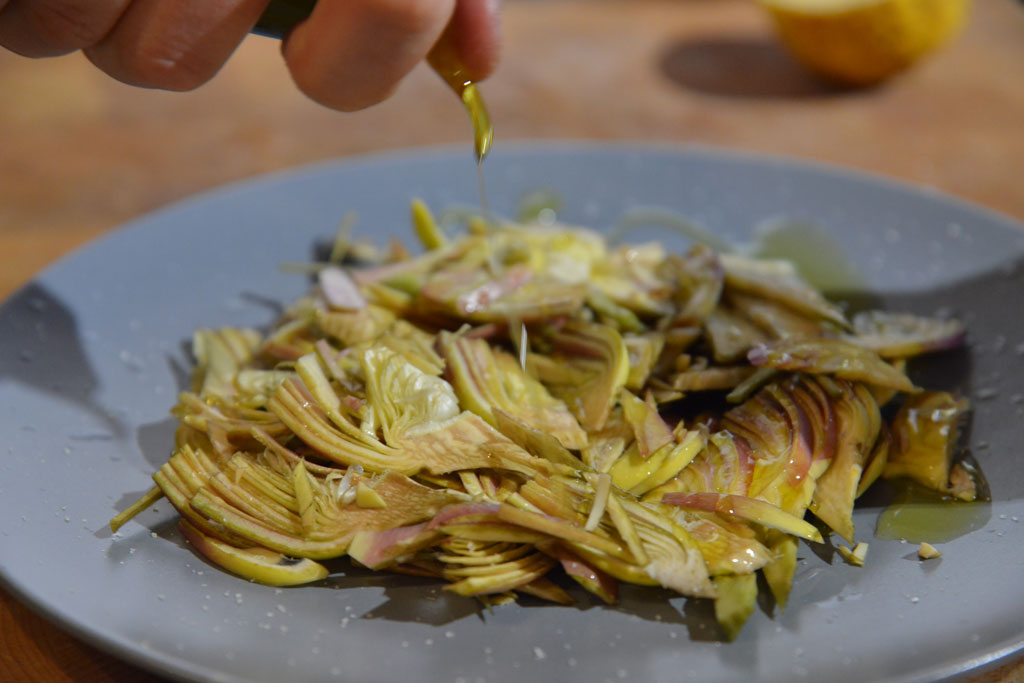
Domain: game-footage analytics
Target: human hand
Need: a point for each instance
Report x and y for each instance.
(349, 54)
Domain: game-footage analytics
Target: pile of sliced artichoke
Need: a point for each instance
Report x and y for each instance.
(522, 406)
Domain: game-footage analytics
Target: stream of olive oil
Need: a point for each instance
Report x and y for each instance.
(444, 61)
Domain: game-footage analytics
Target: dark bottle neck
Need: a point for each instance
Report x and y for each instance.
(281, 16)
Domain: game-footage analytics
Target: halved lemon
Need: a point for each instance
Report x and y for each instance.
(862, 42)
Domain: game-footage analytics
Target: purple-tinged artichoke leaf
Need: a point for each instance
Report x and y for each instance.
(830, 357)
(901, 335)
(649, 429)
(750, 509)
(856, 415)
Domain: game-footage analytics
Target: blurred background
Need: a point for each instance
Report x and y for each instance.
(80, 154)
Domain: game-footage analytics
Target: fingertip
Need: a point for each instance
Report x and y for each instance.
(173, 45)
(476, 32)
(352, 54)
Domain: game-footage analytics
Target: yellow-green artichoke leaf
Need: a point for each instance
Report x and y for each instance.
(774, 318)
(901, 335)
(778, 281)
(219, 355)
(644, 351)
(835, 357)
(356, 327)
(737, 597)
(592, 401)
(731, 335)
(486, 379)
(779, 572)
(728, 546)
(925, 434)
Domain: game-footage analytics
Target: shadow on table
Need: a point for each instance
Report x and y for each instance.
(754, 67)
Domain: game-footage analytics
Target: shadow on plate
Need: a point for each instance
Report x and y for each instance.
(41, 347)
(424, 600)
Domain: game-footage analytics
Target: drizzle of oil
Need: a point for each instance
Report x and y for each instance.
(447, 64)
(918, 514)
(482, 189)
(483, 129)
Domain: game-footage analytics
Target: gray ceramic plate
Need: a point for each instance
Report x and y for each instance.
(93, 351)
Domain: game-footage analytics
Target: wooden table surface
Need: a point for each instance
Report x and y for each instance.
(80, 154)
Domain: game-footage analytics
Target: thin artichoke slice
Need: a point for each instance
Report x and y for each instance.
(728, 546)
(750, 509)
(649, 429)
(517, 293)
(675, 560)
(778, 281)
(590, 577)
(775, 319)
(716, 378)
(379, 549)
(831, 357)
(779, 572)
(737, 597)
(487, 379)
(900, 335)
(592, 401)
(731, 335)
(857, 427)
(699, 279)
(255, 563)
(259, 501)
